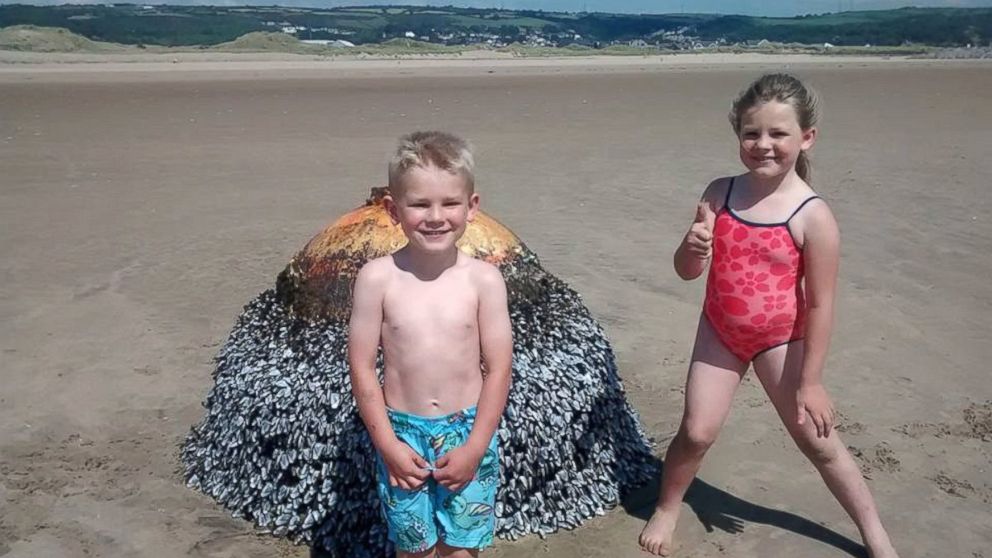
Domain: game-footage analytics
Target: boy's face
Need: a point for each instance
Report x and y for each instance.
(433, 206)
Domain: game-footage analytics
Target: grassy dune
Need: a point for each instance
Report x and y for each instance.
(31, 38)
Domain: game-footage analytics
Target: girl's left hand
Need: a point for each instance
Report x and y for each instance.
(813, 400)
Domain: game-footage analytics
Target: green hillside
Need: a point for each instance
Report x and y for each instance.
(32, 38)
(211, 25)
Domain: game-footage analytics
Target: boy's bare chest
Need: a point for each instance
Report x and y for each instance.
(430, 309)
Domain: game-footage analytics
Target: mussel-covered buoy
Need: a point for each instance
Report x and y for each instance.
(281, 443)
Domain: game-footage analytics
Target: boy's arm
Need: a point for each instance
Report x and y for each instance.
(406, 468)
(457, 467)
(496, 341)
(821, 256)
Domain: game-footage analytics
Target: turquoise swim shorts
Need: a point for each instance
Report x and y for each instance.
(418, 519)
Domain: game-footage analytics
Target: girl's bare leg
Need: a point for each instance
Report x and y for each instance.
(714, 375)
(779, 371)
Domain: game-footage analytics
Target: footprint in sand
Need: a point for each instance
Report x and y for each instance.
(226, 540)
(219, 544)
(979, 419)
(961, 488)
(878, 458)
(847, 426)
(952, 486)
(976, 423)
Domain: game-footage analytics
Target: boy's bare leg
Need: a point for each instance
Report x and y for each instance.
(445, 551)
(714, 375)
(779, 371)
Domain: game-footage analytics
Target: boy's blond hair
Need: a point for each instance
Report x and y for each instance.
(439, 149)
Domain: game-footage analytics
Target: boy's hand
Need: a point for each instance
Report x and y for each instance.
(407, 470)
(813, 400)
(457, 468)
(699, 239)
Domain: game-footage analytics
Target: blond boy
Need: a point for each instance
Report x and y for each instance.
(437, 314)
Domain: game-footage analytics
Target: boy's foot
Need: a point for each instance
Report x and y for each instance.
(656, 538)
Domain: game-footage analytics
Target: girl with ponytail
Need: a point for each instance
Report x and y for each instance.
(772, 247)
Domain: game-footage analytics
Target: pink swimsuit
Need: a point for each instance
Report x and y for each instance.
(754, 293)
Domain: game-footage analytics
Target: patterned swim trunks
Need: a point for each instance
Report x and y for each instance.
(418, 519)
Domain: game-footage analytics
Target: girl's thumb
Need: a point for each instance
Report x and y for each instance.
(704, 214)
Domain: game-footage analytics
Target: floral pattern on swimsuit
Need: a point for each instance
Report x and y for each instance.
(754, 292)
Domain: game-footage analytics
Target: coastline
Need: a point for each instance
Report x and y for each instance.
(17, 66)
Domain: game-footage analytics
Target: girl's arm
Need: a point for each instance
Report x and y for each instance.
(821, 256)
(691, 259)
(696, 248)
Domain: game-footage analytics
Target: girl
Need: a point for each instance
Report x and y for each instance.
(772, 248)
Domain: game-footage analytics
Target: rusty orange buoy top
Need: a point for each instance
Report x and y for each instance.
(318, 280)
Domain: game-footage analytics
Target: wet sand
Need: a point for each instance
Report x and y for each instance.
(143, 205)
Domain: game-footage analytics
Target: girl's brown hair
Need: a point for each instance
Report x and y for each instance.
(784, 89)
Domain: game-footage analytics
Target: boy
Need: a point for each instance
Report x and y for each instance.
(436, 313)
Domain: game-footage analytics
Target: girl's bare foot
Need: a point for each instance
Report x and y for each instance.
(876, 541)
(882, 550)
(656, 538)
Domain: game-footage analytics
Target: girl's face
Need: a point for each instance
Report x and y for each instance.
(771, 139)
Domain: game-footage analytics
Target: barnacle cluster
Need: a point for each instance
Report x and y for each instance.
(282, 445)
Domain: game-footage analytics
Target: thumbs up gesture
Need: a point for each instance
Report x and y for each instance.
(699, 239)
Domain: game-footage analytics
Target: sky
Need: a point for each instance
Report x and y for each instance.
(775, 8)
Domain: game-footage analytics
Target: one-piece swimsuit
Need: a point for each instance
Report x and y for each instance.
(754, 291)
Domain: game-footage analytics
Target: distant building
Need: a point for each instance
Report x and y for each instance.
(338, 43)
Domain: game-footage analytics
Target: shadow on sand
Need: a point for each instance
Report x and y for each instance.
(718, 509)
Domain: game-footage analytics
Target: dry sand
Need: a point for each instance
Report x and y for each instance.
(143, 203)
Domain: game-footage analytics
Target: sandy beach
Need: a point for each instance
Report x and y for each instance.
(143, 201)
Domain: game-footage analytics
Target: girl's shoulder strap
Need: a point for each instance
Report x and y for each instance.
(802, 205)
(730, 188)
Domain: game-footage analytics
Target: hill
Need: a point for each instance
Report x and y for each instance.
(260, 41)
(215, 25)
(50, 39)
